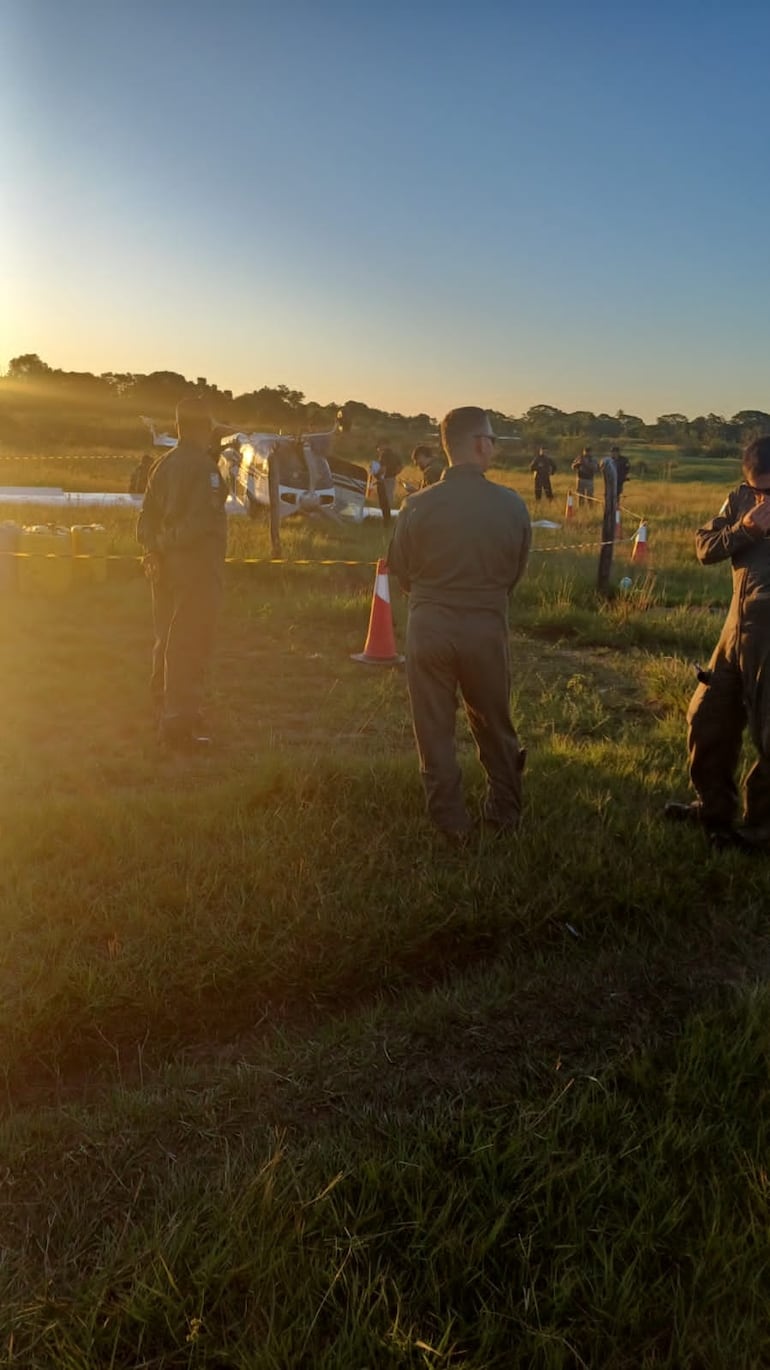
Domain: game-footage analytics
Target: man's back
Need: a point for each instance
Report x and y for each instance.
(462, 543)
(184, 507)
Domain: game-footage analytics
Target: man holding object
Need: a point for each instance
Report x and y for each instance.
(735, 690)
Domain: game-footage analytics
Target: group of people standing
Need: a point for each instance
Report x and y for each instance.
(387, 466)
(586, 467)
(460, 547)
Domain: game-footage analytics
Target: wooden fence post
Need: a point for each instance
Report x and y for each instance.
(609, 471)
(273, 485)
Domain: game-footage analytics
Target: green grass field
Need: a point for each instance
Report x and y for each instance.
(287, 1085)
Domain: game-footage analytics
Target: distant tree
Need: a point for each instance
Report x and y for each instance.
(632, 426)
(120, 382)
(671, 427)
(27, 367)
(543, 413)
(751, 423)
(160, 390)
(581, 423)
(606, 426)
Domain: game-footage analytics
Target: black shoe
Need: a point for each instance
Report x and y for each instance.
(684, 813)
(737, 839)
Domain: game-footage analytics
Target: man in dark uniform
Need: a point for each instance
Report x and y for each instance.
(139, 476)
(542, 469)
(459, 548)
(431, 465)
(735, 689)
(183, 528)
(585, 469)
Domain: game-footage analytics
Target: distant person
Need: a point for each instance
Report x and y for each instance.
(622, 467)
(735, 689)
(183, 529)
(138, 481)
(585, 468)
(375, 485)
(232, 458)
(390, 466)
(459, 548)
(431, 465)
(542, 469)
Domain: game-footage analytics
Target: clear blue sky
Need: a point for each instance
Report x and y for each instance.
(413, 204)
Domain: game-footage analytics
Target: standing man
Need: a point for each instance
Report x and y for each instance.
(430, 463)
(183, 528)
(622, 467)
(585, 468)
(735, 690)
(390, 465)
(459, 548)
(542, 469)
(138, 480)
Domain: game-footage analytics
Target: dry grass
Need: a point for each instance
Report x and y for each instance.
(287, 1086)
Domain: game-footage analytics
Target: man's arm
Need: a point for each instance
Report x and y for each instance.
(730, 533)
(523, 537)
(398, 552)
(150, 519)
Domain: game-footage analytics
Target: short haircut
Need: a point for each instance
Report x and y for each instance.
(756, 457)
(193, 416)
(460, 424)
(421, 453)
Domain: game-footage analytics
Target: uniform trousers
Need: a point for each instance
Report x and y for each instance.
(467, 650)
(738, 693)
(186, 596)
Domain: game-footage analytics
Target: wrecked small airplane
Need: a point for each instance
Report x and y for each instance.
(306, 478)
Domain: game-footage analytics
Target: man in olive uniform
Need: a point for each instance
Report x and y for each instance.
(585, 468)
(459, 547)
(430, 464)
(183, 528)
(140, 475)
(735, 690)
(542, 469)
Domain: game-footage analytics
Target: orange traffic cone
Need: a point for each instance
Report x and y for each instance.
(640, 549)
(569, 512)
(380, 645)
(618, 526)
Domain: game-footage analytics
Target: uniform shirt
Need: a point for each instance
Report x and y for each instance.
(585, 467)
(461, 544)
(725, 537)
(390, 464)
(433, 472)
(542, 467)
(184, 506)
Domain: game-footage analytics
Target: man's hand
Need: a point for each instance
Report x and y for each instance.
(757, 520)
(151, 566)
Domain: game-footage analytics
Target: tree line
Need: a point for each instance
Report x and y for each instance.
(35, 396)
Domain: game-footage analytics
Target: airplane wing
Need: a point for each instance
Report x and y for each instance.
(158, 439)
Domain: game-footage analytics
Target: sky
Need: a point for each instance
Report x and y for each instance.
(415, 204)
